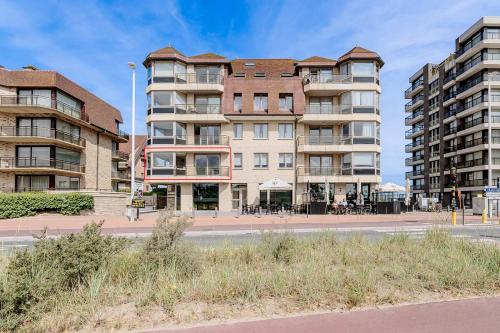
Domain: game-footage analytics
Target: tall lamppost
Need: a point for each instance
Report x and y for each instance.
(132, 66)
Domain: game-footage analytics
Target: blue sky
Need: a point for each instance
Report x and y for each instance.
(92, 41)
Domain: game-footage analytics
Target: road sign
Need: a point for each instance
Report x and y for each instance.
(492, 190)
(138, 203)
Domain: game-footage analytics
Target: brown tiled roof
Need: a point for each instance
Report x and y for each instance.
(207, 56)
(317, 59)
(100, 113)
(139, 142)
(272, 67)
(360, 53)
(167, 50)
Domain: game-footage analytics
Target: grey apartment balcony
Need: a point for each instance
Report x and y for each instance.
(318, 114)
(40, 135)
(119, 155)
(416, 101)
(32, 165)
(120, 175)
(418, 159)
(416, 188)
(334, 84)
(195, 143)
(201, 113)
(332, 144)
(415, 131)
(415, 88)
(490, 39)
(414, 117)
(415, 174)
(415, 145)
(349, 170)
(40, 104)
(486, 60)
(190, 82)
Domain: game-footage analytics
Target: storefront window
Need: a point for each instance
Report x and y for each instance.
(206, 196)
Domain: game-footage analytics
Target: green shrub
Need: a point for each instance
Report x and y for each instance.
(29, 203)
(165, 249)
(281, 247)
(53, 266)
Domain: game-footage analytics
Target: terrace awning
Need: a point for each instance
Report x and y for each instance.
(275, 184)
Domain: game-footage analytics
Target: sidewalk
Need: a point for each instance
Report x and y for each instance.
(61, 224)
(463, 316)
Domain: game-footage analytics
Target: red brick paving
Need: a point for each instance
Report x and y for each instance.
(464, 316)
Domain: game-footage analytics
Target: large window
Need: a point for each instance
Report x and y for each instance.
(67, 155)
(360, 163)
(285, 160)
(238, 160)
(363, 69)
(32, 183)
(260, 161)
(363, 98)
(207, 104)
(320, 165)
(65, 101)
(168, 132)
(286, 102)
(320, 104)
(207, 134)
(33, 156)
(260, 131)
(207, 74)
(67, 183)
(237, 102)
(285, 131)
(35, 127)
(238, 130)
(205, 196)
(363, 160)
(42, 97)
(207, 164)
(260, 102)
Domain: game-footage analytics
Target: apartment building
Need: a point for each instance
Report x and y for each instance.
(448, 117)
(125, 167)
(225, 133)
(55, 135)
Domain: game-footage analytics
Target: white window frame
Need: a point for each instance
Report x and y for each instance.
(285, 160)
(235, 132)
(261, 157)
(288, 133)
(240, 155)
(264, 133)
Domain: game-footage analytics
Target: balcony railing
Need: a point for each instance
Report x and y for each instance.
(221, 171)
(36, 162)
(415, 173)
(410, 118)
(417, 84)
(123, 134)
(45, 102)
(324, 140)
(433, 122)
(341, 109)
(124, 175)
(472, 163)
(337, 79)
(417, 188)
(183, 78)
(471, 143)
(469, 65)
(470, 44)
(119, 154)
(197, 140)
(185, 109)
(409, 147)
(43, 132)
(414, 101)
(410, 160)
(409, 133)
(450, 77)
(318, 171)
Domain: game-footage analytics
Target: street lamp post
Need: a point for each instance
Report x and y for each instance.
(489, 143)
(132, 66)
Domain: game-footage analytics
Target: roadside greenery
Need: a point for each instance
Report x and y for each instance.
(93, 282)
(30, 203)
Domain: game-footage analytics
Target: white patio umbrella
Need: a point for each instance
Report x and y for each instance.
(391, 187)
(408, 193)
(274, 184)
(327, 192)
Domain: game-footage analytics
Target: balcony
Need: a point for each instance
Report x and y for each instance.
(450, 130)
(190, 82)
(40, 135)
(414, 102)
(486, 60)
(414, 188)
(414, 117)
(40, 104)
(472, 163)
(120, 175)
(412, 146)
(119, 155)
(328, 84)
(415, 173)
(414, 160)
(490, 38)
(471, 143)
(196, 143)
(433, 122)
(189, 174)
(27, 164)
(188, 113)
(319, 144)
(415, 131)
(319, 114)
(124, 135)
(415, 87)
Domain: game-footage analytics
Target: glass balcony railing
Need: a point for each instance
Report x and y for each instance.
(191, 171)
(36, 162)
(197, 140)
(186, 78)
(337, 79)
(43, 132)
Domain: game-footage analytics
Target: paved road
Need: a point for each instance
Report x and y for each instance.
(211, 237)
(465, 316)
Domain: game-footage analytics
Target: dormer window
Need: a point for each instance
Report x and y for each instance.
(286, 75)
(260, 74)
(250, 64)
(240, 75)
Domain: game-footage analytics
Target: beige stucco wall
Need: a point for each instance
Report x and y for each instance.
(97, 170)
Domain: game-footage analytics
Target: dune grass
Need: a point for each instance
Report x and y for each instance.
(171, 281)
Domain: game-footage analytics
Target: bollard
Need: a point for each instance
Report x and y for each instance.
(484, 216)
(454, 217)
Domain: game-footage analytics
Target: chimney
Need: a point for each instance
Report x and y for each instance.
(30, 68)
